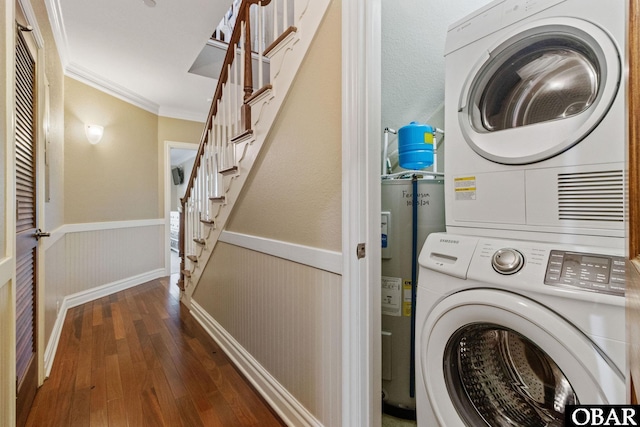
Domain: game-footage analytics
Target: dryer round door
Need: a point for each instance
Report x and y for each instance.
(539, 91)
(491, 357)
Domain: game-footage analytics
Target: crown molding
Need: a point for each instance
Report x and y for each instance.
(183, 114)
(90, 78)
(57, 28)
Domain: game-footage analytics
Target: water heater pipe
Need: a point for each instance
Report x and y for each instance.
(387, 131)
(414, 277)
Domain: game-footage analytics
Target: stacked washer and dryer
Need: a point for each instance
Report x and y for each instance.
(520, 305)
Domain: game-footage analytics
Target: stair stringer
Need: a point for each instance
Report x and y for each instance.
(285, 60)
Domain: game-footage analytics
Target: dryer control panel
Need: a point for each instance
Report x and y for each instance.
(591, 272)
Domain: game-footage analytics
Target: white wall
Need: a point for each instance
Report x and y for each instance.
(413, 36)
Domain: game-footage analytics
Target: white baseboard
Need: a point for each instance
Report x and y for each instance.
(89, 295)
(292, 412)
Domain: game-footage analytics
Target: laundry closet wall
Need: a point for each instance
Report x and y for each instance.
(413, 35)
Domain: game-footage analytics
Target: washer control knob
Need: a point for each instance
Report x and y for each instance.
(507, 261)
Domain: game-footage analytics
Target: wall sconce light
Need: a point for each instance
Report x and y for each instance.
(94, 133)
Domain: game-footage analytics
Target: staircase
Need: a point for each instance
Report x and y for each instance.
(258, 70)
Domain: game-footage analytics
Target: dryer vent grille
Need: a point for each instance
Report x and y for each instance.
(591, 196)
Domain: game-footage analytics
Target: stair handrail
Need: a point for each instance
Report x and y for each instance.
(243, 16)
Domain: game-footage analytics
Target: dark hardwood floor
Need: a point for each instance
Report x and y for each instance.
(138, 358)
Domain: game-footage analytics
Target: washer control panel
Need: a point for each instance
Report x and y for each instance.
(592, 272)
(507, 261)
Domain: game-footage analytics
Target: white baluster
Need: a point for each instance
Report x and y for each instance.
(210, 187)
(216, 174)
(217, 160)
(234, 95)
(229, 120)
(221, 112)
(259, 31)
(275, 18)
(285, 14)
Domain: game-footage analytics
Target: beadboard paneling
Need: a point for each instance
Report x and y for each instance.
(287, 316)
(95, 258)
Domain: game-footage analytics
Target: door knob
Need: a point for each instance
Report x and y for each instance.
(39, 233)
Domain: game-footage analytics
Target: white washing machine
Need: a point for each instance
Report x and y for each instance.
(535, 121)
(509, 332)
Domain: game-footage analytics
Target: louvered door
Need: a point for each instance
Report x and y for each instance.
(25, 137)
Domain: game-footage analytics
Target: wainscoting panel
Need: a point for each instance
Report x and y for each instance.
(98, 257)
(287, 316)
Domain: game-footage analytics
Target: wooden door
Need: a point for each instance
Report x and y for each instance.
(26, 209)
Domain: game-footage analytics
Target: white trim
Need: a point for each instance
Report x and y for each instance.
(321, 259)
(6, 271)
(92, 79)
(177, 113)
(361, 192)
(58, 29)
(27, 9)
(166, 179)
(65, 229)
(111, 225)
(7, 131)
(56, 235)
(281, 401)
(84, 297)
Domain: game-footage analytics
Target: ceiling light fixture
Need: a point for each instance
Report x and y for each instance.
(150, 3)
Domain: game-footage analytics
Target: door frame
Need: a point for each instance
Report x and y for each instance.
(166, 168)
(361, 195)
(7, 257)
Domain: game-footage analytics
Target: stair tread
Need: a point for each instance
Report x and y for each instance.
(200, 241)
(229, 171)
(242, 136)
(257, 94)
(207, 221)
(186, 273)
(192, 258)
(217, 199)
(277, 41)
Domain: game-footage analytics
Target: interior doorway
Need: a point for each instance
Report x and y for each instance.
(178, 160)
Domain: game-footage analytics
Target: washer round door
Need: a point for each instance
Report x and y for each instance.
(494, 358)
(540, 91)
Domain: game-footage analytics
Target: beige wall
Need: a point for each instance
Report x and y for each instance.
(116, 179)
(294, 191)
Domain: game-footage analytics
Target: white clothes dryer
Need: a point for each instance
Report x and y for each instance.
(535, 121)
(510, 332)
